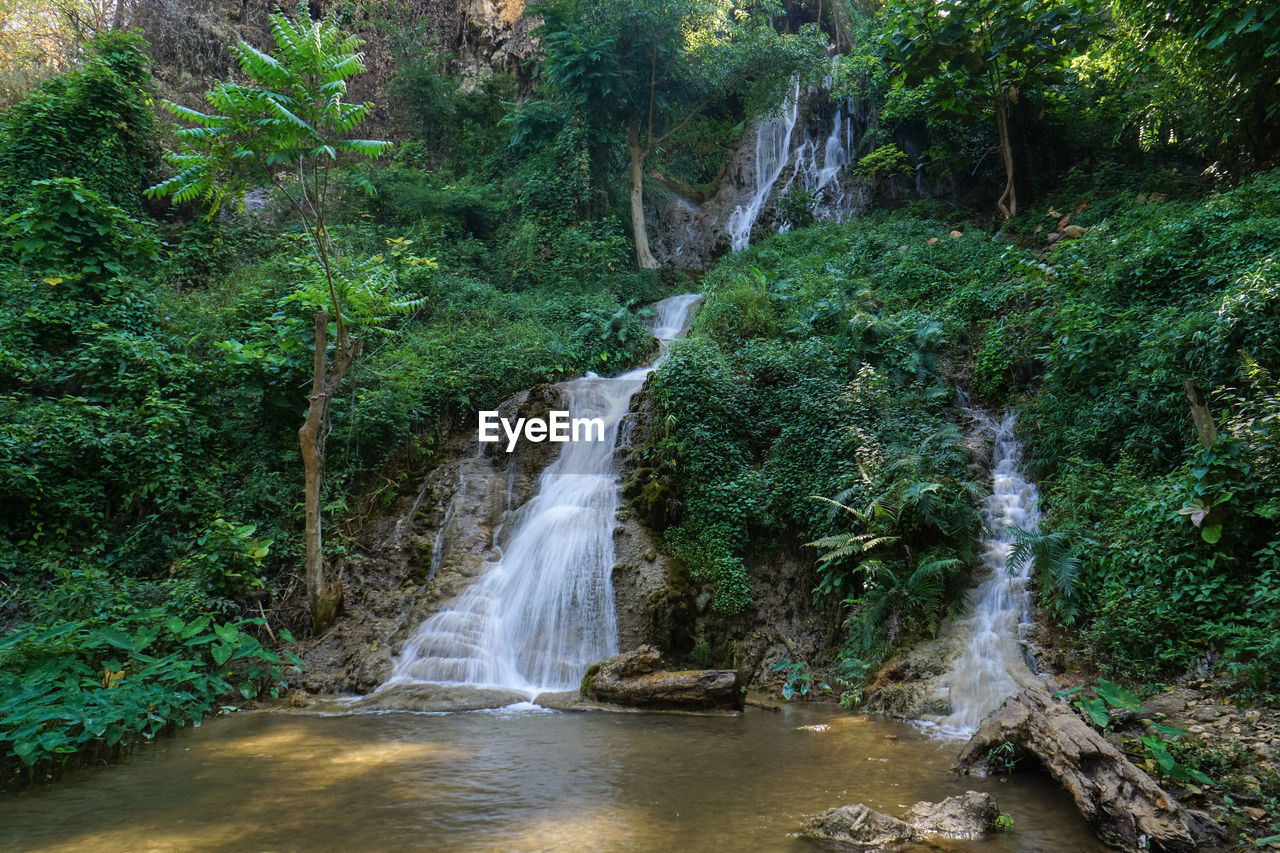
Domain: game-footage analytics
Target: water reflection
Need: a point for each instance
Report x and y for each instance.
(502, 781)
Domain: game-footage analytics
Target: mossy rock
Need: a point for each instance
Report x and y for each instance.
(589, 679)
(651, 497)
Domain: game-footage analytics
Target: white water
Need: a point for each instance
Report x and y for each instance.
(772, 154)
(820, 175)
(992, 664)
(816, 166)
(544, 611)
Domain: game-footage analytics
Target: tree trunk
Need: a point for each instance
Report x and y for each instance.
(324, 589)
(1008, 202)
(117, 15)
(1200, 415)
(643, 257)
(1126, 807)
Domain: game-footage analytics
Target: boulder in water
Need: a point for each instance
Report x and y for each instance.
(638, 679)
(1125, 806)
(968, 816)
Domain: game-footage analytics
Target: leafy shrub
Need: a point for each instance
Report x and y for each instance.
(94, 123)
(95, 677)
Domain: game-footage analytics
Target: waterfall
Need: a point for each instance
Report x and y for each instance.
(772, 154)
(815, 166)
(820, 175)
(992, 665)
(544, 610)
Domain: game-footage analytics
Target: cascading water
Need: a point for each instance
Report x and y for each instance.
(820, 175)
(772, 154)
(992, 666)
(544, 611)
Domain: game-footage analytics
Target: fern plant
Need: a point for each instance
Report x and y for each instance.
(290, 127)
(1056, 558)
(903, 564)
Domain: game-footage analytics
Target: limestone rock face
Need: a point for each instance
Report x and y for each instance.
(968, 816)
(495, 37)
(1125, 806)
(637, 679)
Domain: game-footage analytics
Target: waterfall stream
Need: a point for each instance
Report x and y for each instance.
(544, 611)
(992, 666)
(788, 145)
(772, 154)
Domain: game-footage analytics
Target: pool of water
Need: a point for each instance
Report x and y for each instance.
(516, 780)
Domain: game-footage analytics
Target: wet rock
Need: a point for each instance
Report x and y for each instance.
(439, 697)
(572, 700)
(637, 679)
(968, 816)
(858, 826)
(1125, 806)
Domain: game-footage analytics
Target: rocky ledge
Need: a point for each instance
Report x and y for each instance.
(638, 679)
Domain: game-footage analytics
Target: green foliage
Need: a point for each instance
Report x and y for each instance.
(1056, 559)
(290, 117)
(1003, 759)
(93, 123)
(796, 680)
(1203, 71)
(904, 565)
(800, 378)
(69, 230)
(887, 161)
(971, 53)
(796, 208)
(1171, 538)
(1154, 747)
(100, 673)
(1004, 822)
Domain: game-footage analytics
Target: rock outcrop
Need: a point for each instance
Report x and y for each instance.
(1125, 806)
(968, 816)
(638, 679)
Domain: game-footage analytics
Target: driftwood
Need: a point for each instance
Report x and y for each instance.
(1125, 806)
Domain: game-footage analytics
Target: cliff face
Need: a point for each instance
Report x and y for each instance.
(191, 40)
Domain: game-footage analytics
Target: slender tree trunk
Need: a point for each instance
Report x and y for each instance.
(117, 15)
(1008, 202)
(643, 257)
(324, 588)
(1206, 431)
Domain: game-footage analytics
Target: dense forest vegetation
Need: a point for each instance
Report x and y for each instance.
(1074, 209)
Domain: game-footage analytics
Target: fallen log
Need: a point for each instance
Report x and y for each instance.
(1125, 806)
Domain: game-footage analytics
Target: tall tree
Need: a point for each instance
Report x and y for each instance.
(980, 56)
(637, 71)
(289, 128)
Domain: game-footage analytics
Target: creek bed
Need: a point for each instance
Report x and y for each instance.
(515, 779)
